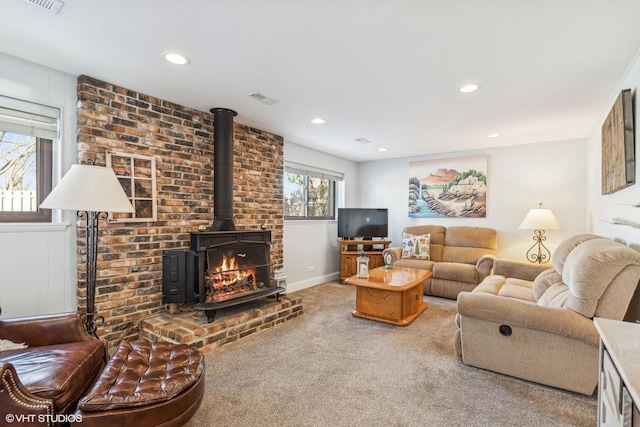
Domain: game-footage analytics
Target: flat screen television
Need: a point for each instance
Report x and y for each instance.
(363, 223)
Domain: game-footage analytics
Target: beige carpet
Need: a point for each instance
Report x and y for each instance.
(328, 368)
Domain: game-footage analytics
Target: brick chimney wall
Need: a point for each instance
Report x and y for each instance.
(129, 273)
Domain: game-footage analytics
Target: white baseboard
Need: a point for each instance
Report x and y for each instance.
(298, 286)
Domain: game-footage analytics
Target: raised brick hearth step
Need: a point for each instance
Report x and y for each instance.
(190, 325)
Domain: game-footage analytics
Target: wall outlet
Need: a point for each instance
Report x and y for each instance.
(311, 268)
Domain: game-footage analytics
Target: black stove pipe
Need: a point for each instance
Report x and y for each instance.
(223, 169)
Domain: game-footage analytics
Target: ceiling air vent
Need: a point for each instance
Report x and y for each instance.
(363, 140)
(264, 99)
(52, 6)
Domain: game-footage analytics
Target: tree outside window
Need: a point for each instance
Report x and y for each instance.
(25, 177)
(308, 197)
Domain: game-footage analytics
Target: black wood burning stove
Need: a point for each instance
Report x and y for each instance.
(234, 266)
(221, 269)
(224, 266)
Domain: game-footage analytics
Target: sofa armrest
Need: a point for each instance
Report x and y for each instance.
(17, 401)
(518, 270)
(484, 266)
(526, 314)
(47, 329)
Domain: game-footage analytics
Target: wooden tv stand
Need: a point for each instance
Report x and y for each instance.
(349, 253)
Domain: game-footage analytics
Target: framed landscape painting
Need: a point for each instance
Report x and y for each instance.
(448, 188)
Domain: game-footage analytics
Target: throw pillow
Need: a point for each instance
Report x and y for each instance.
(415, 246)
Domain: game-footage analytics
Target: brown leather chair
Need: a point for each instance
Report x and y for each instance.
(63, 369)
(56, 368)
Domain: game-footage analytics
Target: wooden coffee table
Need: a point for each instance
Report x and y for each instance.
(391, 296)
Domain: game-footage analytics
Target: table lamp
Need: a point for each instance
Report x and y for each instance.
(539, 220)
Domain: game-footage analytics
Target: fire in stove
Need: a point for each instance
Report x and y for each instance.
(229, 280)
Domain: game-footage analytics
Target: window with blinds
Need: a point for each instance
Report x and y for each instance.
(309, 193)
(27, 133)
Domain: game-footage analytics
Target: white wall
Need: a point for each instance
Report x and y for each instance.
(38, 261)
(519, 178)
(313, 244)
(601, 209)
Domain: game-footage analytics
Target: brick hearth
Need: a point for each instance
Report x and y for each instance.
(190, 325)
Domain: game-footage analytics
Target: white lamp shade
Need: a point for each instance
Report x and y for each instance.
(89, 188)
(540, 219)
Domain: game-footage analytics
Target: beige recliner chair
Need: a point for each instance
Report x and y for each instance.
(538, 326)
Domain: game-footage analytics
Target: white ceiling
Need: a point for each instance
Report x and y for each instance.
(388, 71)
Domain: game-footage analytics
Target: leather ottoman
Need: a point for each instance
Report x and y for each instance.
(146, 384)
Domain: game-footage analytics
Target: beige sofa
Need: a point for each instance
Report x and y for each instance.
(459, 257)
(539, 327)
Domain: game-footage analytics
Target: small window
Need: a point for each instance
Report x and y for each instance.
(309, 194)
(27, 133)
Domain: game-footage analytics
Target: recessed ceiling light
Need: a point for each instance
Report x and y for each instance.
(318, 121)
(382, 149)
(493, 135)
(469, 88)
(176, 58)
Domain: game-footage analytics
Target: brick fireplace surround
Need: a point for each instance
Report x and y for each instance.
(129, 282)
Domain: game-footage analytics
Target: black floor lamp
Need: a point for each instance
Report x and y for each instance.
(91, 190)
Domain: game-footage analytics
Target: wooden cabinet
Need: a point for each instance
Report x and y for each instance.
(619, 381)
(350, 251)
